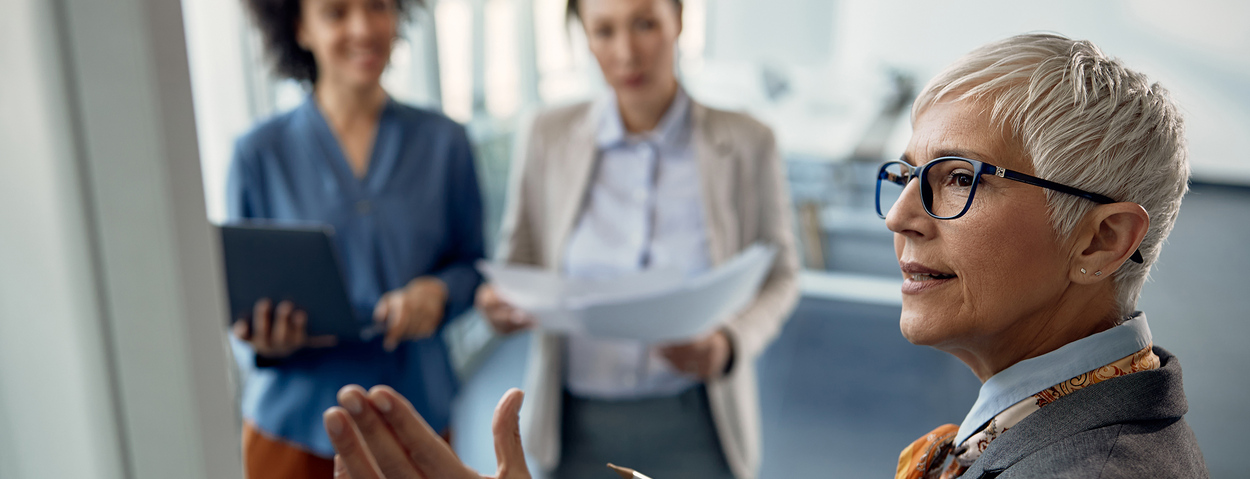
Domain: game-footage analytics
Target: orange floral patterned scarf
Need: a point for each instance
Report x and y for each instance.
(924, 458)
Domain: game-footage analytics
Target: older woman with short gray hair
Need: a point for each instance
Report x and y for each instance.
(1047, 178)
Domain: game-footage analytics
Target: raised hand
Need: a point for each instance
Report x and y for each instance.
(378, 435)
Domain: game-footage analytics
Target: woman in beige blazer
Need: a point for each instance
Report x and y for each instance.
(645, 177)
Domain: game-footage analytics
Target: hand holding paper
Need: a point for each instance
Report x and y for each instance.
(657, 305)
(502, 316)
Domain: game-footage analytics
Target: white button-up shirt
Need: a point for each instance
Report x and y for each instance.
(643, 210)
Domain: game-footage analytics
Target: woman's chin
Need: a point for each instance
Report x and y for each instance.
(920, 329)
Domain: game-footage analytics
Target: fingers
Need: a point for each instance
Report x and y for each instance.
(398, 320)
(389, 455)
(518, 320)
(428, 313)
(687, 358)
(428, 297)
(298, 331)
(282, 325)
(241, 330)
(484, 297)
(340, 468)
(501, 315)
(429, 453)
(260, 324)
(353, 455)
(509, 455)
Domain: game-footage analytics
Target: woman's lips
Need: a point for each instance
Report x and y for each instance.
(634, 81)
(918, 278)
(914, 285)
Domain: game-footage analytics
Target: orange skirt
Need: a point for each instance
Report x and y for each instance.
(266, 457)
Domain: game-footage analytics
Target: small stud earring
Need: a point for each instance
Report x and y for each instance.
(1098, 273)
(1082, 270)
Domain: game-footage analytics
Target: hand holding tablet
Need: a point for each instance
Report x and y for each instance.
(285, 281)
(278, 332)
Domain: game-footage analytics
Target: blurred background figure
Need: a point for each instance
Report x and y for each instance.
(645, 177)
(397, 184)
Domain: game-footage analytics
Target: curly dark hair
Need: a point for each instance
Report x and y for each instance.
(277, 20)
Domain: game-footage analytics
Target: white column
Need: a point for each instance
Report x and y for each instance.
(112, 359)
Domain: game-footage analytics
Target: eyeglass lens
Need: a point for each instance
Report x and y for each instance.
(945, 191)
(891, 180)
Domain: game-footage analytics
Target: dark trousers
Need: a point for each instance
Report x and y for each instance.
(664, 438)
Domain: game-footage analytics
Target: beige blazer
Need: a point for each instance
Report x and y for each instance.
(745, 200)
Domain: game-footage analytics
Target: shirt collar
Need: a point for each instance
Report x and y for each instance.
(670, 130)
(1030, 376)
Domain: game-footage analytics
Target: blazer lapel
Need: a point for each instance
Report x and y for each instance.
(575, 171)
(716, 171)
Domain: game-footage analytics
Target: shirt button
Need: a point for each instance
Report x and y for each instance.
(363, 207)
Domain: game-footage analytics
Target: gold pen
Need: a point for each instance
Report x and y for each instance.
(627, 473)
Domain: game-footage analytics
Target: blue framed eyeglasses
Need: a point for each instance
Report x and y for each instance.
(948, 184)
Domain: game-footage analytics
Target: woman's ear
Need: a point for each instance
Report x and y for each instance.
(1111, 235)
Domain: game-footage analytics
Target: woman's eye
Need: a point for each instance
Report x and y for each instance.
(962, 179)
(959, 179)
(603, 32)
(644, 25)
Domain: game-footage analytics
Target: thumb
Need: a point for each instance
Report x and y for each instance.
(382, 309)
(509, 455)
(340, 468)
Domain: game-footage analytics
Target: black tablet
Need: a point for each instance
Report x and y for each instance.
(295, 263)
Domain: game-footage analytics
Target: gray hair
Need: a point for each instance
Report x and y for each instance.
(1084, 120)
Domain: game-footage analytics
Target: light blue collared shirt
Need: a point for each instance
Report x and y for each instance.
(643, 210)
(1034, 375)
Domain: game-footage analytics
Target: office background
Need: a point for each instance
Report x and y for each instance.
(842, 392)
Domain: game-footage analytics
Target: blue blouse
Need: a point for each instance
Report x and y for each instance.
(416, 212)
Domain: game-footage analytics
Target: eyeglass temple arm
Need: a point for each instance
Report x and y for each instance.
(1035, 181)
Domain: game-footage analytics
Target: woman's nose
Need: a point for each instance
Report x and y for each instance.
(358, 23)
(907, 213)
(623, 48)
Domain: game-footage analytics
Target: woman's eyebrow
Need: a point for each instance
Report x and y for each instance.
(945, 152)
(962, 153)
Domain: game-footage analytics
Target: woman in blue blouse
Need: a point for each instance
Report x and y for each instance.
(398, 186)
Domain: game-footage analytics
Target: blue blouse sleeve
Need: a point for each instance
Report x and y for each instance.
(467, 246)
(242, 190)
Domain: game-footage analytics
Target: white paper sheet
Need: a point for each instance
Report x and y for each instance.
(653, 306)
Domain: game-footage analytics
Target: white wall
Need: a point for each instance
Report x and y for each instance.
(56, 403)
(112, 362)
(1200, 50)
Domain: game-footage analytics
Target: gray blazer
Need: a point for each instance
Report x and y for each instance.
(1130, 427)
(745, 200)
